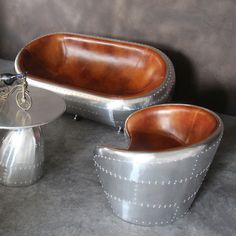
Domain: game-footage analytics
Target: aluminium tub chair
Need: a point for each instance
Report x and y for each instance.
(155, 180)
(100, 79)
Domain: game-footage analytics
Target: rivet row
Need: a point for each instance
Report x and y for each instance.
(25, 167)
(148, 182)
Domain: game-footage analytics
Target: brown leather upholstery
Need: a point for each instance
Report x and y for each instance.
(169, 126)
(107, 67)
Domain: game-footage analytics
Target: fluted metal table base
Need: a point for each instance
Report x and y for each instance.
(21, 156)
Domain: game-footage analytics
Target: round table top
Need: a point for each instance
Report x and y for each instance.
(46, 107)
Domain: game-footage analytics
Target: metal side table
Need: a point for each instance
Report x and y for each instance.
(21, 139)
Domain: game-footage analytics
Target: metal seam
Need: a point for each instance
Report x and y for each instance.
(23, 168)
(155, 182)
(150, 205)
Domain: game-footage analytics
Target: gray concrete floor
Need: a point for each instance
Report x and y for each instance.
(69, 200)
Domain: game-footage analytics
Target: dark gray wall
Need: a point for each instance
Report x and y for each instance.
(198, 35)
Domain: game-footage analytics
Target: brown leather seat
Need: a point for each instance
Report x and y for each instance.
(110, 68)
(169, 126)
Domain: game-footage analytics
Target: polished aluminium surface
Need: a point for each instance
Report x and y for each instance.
(22, 142)
(112, 111)
(156, 187)
(21, 156)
